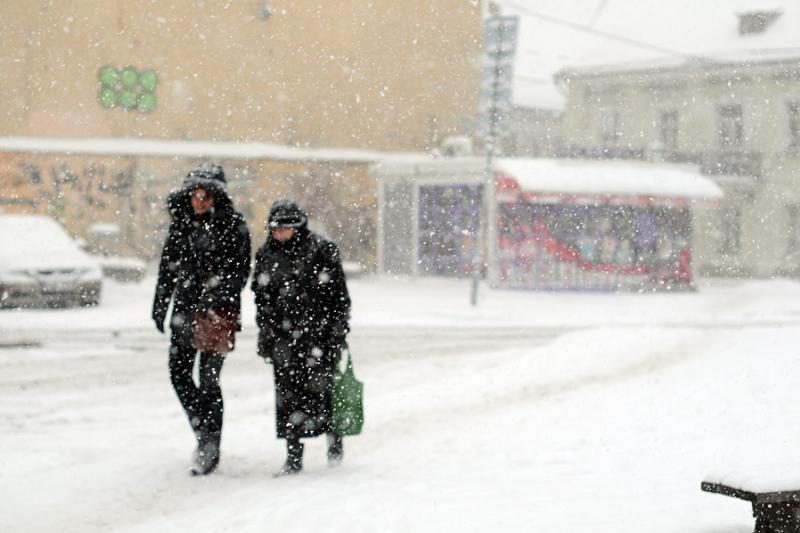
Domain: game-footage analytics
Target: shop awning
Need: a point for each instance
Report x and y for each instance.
(569, 181)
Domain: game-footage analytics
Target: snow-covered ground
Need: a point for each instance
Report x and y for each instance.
(540, 412)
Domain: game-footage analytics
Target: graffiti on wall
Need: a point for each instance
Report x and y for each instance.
(127, 88)
(74, 196)
(94, 184)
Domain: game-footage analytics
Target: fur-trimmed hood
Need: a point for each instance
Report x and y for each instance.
(206, 176)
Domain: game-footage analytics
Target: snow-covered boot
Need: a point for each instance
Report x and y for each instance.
(206, 456)
(335, 449)
(294, 459)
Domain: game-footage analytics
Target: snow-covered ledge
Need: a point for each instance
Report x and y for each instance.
(759, 478)
(773, 489)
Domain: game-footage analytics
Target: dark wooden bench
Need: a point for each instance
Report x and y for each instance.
(775, 512)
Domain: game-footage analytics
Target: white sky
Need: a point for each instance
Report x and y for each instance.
(707, 28)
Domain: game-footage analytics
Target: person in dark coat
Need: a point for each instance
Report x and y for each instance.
(303, 312)
(204, 266)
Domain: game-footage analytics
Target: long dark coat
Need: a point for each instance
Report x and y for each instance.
(205, 262)
(302, 310)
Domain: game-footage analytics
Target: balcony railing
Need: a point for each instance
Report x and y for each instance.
(732, 163)
(575, 151)
(714, 163)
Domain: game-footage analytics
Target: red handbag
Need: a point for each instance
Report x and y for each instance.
(215, 331)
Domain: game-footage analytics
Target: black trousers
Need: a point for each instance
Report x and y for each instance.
(202, 402)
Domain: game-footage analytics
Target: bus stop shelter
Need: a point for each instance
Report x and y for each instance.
(553, 224)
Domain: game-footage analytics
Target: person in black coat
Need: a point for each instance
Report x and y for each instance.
(204, 266)
(303, 312)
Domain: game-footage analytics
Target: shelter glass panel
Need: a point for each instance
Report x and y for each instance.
(593, 247)
(398, 228)
(448, 222)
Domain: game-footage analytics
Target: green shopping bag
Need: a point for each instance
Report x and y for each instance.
(348, 400)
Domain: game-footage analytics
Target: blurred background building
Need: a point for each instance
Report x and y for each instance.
(108, 104)
(322, 77)
(714, 85)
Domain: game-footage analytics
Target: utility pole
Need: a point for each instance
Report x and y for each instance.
(494, 105)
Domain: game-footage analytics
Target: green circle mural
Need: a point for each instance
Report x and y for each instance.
(108, 76)
(129, 77)
(148, 79)
(107, 97)
(127, 88)
(147, 102)
(127, 99)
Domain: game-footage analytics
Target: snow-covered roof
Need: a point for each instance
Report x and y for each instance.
(617, 178)
(180, 148)
(588, 178)
(676, 31)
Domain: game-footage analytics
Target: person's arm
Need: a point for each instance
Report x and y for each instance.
(260, 287)
(167, 278)
(336, 295)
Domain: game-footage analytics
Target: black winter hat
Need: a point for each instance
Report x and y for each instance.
(286, 214)
(208, 176)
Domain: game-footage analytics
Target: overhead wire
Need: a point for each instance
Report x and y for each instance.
(594, 31)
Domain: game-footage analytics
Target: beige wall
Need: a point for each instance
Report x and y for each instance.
(381, 74)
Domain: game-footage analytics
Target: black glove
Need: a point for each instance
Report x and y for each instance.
(158, 317)
(339, 330)
(337, 336)
(337, 343)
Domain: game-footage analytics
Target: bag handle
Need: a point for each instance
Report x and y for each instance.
(349, 368)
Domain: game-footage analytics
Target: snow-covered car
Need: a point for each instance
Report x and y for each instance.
(125, 269)
(42, 266)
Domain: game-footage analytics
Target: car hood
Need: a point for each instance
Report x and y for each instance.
(47, 261)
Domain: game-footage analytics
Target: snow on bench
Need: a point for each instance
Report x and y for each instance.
(773, 490)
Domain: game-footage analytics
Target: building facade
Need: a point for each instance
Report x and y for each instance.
(739, 121)
(378, 75)
(319, 77)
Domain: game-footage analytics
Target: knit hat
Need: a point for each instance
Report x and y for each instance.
(286, 214)
(207, 176)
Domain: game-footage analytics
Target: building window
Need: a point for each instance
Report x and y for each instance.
(756, 22)
(610, 130)
(730, 231)
(793, 230)
(668, 130)
(731, 126)
(793, 109)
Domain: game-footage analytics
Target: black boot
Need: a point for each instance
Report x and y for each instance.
(335, 448)
(206, 456)
(294, 459)
(199, 436)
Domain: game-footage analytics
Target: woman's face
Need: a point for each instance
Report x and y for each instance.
(283, 234)
(202, 201)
